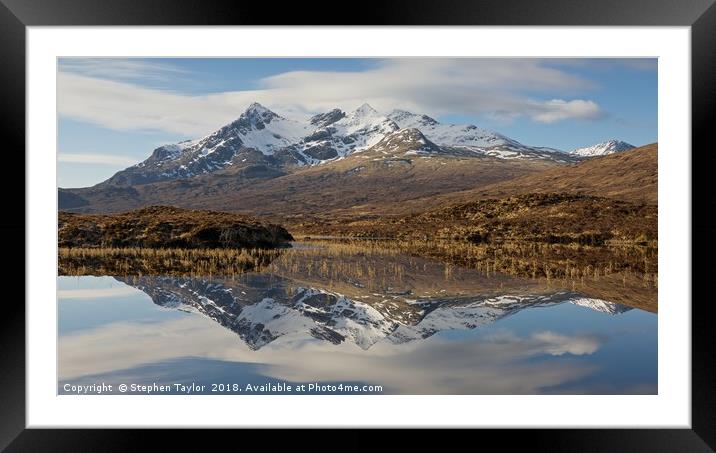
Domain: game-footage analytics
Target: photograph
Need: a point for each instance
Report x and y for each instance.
(357, 226)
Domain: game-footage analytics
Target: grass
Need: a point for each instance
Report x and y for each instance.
(150, 261)
(543, 260)
(552, 218)
(524, 259)
(624, 274)
(356, 258)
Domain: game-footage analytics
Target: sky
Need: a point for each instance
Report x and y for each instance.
(112, 113)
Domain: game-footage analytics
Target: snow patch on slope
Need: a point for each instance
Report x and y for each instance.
(603, 149)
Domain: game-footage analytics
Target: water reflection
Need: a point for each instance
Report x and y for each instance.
(354, 315)
(261, 308)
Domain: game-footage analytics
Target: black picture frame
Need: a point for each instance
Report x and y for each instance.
(700, 15)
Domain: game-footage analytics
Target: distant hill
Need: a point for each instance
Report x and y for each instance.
(69, 200)
(630, 176)
(598, 199)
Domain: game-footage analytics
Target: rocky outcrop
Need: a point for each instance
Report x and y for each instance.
(169, 227)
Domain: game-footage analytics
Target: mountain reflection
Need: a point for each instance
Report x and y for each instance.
(262, 308)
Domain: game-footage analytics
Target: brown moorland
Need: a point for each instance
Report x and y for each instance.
(539, 217)
(169, 227)
(629, 176)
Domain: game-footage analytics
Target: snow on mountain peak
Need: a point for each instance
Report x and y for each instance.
(451, 134)
(406, 141)
(324, 119)
(602, 149)
(365, 110)
(333, 135)
(255, 107)
(257, 113)
(408, 119)
(360, 130)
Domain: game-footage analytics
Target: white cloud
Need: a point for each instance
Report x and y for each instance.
(492, 87)
(102, 159)
(557, 344)
(124, 344)
(121, 69)
(634, 64)
(489, 364)
(125, 106)
(558, 110)
(97, 293)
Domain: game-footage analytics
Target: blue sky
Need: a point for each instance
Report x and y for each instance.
(114, 112)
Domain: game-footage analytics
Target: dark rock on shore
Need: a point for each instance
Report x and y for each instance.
(169, 227)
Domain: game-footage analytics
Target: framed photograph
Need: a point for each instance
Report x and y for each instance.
(477, 216)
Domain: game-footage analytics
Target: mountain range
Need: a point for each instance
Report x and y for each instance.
(323, 138)
(266, 164)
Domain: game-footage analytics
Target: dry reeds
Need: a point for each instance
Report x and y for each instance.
(571, 262)
(149, 261)
(376, 261)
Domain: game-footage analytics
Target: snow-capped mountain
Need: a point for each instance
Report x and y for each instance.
(405, 142)
(602, 149)
(256, 129)
(262, 309)
(339, 135)
(263, 135)
(451, 134)
(470, 137)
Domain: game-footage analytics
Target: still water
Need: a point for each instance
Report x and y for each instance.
(391, 323)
